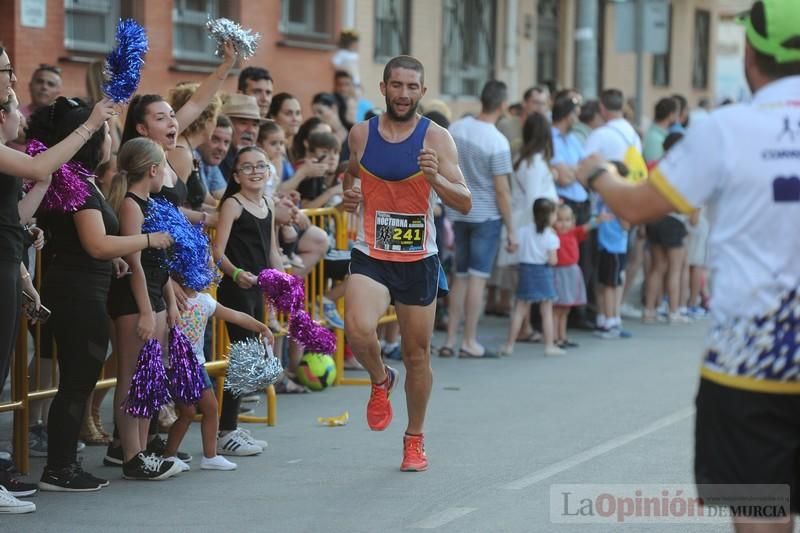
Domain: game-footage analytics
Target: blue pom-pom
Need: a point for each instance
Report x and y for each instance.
(189, 259)
(124, 64)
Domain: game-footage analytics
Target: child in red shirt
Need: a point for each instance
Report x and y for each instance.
(570, 286)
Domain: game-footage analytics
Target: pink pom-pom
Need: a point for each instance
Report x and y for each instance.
(68, 188)
(283, 290)
(311, 335)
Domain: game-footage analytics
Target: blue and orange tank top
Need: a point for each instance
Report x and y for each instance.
(396, 222)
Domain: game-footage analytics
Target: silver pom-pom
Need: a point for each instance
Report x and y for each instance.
(245, 41)
(251, 367)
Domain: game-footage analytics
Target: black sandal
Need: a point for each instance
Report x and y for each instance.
(446, 352)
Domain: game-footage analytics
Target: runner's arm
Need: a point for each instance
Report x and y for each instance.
(634, 203)
(449, 182)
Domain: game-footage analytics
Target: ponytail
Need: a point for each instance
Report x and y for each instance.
(117, 190)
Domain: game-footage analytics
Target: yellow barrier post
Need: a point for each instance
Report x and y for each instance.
(19, 393)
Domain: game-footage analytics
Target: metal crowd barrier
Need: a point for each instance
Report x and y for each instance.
(23, 392)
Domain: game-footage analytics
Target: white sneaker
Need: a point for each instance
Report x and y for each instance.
(184, 467)
(260, 443)
(630, 311)
(216, 463)
(237, 443)
(677, 318)
(555, 351)
(10, 505)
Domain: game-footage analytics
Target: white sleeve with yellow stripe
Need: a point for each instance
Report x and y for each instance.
(693, 171)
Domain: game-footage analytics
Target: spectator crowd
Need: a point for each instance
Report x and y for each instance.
(248, 165)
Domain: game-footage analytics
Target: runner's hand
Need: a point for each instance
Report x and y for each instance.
(588, 166)
(429, 164)
(351, 199)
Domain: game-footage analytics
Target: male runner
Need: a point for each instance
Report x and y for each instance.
(400, 163)
(738, 165)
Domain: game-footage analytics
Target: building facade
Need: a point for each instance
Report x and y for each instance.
(461, 42)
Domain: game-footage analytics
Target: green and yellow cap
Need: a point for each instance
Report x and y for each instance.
(782, 19)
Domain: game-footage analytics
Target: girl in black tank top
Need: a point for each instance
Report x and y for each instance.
(143, 303)
(245, 244)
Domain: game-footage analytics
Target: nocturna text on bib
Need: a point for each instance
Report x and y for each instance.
(400, 232)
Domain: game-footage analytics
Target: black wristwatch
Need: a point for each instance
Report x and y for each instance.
(596, 173)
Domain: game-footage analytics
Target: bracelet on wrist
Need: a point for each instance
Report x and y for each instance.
(236, 273)
(596, 173)
(148, 239)
(79, 134)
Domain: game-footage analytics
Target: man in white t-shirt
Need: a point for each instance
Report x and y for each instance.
(484, 156)
(740, 164)
(613, 141)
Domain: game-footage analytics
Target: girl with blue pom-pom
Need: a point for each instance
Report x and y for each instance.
(141, 304)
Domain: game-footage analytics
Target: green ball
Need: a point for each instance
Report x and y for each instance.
(317, 371)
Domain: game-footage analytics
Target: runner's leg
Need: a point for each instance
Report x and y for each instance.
(366, 301)
(416, 329)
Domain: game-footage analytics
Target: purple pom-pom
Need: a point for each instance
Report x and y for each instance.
(283, 290)
(311, 335)
(189, 259)
(124, 63)
(149, 389)
(68, 188)
(185, 377)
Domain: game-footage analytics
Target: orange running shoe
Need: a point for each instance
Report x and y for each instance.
(414, 458)
(379, 408)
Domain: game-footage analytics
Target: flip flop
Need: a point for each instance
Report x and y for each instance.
(446, 351)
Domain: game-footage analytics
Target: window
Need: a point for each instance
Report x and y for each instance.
(189, 35)
(307, 19)
(547, 45)
(468, 55)
(702, 34)
(663, 62)
(90, 25)
(391, 28)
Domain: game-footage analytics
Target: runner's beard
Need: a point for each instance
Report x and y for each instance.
(412, 110)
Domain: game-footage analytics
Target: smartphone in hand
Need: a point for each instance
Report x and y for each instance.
(41, 314)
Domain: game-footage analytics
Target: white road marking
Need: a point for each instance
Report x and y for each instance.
(600, 449)
(444, 517)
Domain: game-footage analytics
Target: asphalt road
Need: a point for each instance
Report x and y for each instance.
(500, 435)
